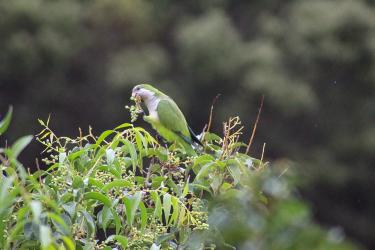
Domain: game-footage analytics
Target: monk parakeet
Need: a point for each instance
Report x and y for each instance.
(165, 117)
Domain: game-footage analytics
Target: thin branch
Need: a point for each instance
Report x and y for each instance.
(211, 113)
(284, 171)
(38, 167)
(255, 126)
(80, 136)
(263, 148)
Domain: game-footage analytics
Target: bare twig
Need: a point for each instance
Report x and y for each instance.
(263, 148)
(38, 167)
(80, 136)
(211, 113)
(255, 126)
(284, 171)
(225, 140)
(232, 130)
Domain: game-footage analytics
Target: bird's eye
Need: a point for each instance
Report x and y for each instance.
(137, 88)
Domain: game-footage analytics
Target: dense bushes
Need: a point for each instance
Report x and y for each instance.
(313, 60)
(123, 189)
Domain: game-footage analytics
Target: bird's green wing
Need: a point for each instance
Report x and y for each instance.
(171, 117)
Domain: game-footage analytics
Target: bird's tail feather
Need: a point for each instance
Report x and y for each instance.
(194, 137)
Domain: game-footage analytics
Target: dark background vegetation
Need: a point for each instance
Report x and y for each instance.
(314, 61)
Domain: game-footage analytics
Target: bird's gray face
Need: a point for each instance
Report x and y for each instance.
(143, 93)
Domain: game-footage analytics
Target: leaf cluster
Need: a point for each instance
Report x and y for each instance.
(123, 189)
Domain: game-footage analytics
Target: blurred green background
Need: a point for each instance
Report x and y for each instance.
(314, 61)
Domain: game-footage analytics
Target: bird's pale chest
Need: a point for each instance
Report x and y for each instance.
(152, 107)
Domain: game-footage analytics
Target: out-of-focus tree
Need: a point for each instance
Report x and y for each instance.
(313, 60)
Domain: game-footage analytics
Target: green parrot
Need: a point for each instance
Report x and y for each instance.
(166, 117)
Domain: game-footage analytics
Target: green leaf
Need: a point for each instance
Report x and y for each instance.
(5, 184)
(172, 186)
(116, 183)
(181, 217)
(36, 208)
(158, 209)
(199, 161)
(104, 135)
(156, 181)
(4, 124)
(131, 206)
(215, 181)
(110, 155)
(111, 170)
(211, 137)
(203, 159)
(62, 157)
(77, 182)
(155, 247)
(225, 186)
(161, 153)
(236, 173)
(45, 236)
(120, 239)
(167, 206)
(186, 188)
(19, 145)
(104, 216)
(14, 233)
(117, 220)
(176, 208)
(165, 238)
(69, 244)
(57, 219)
(89, 222)
(142, 138)
(28, 230)
(21, 214)
(203, 172)
(201, 187)
(99, 197)
(94, 182)
(143, 210)
(133, 153)
(76, 154)
(124, 125)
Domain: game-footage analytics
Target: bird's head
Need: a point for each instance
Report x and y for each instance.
(144, 91)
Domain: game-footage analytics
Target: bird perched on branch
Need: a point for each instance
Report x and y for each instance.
(166, 117)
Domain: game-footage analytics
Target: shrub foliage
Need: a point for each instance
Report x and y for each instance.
(124, 189)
